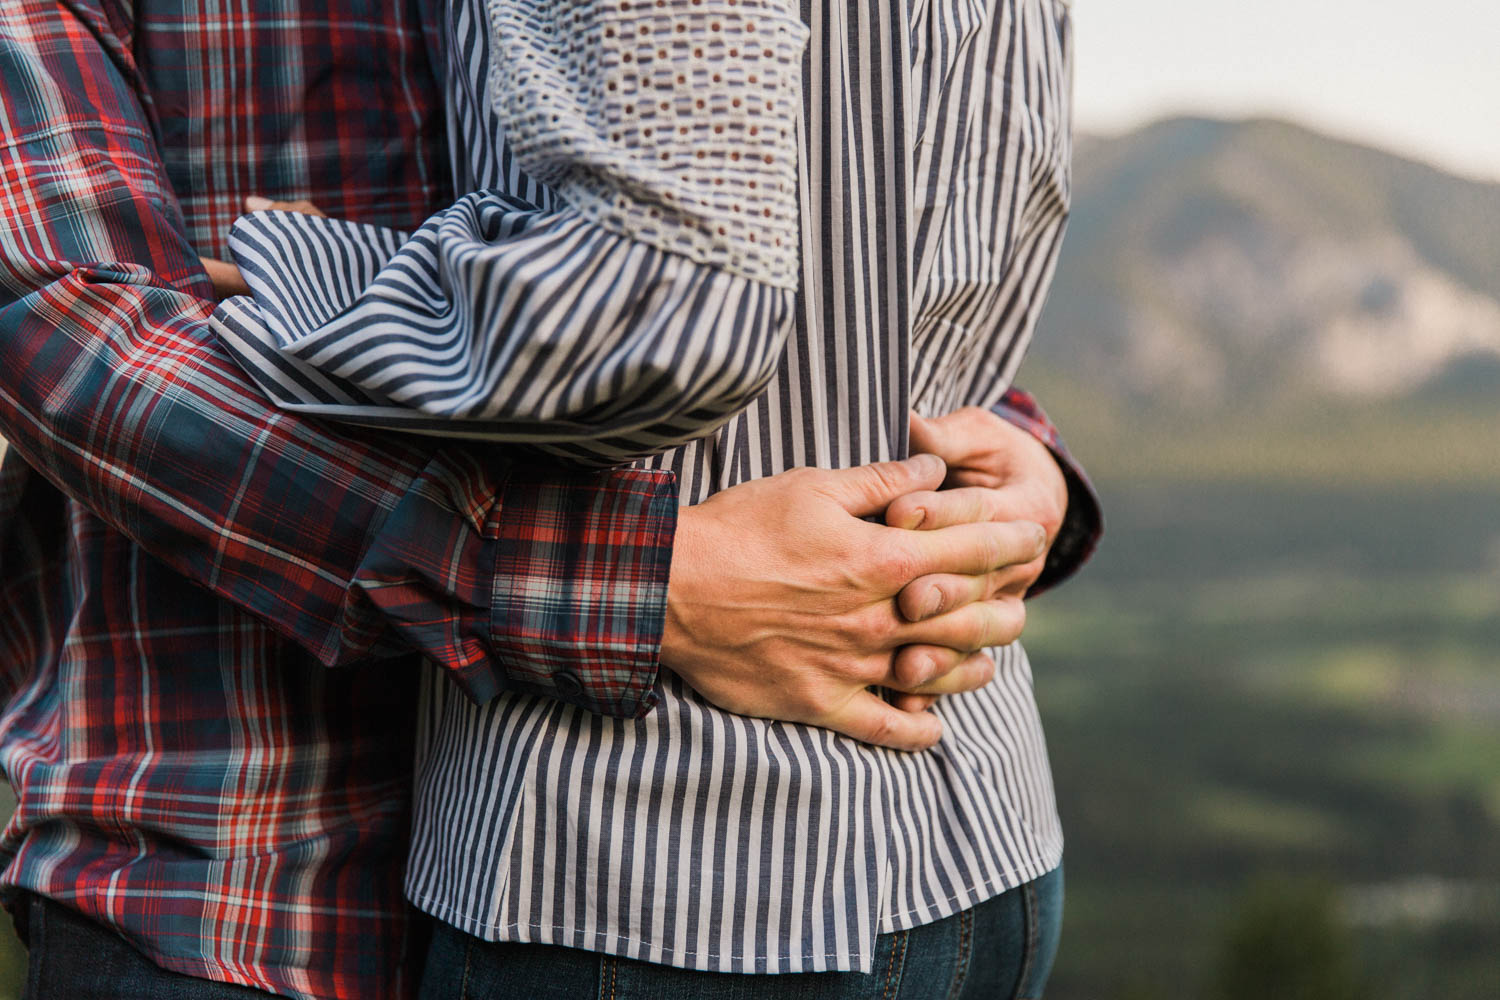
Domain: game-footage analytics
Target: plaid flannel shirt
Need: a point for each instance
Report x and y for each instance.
(180, 561)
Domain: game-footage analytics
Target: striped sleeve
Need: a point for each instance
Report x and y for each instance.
(644, 303)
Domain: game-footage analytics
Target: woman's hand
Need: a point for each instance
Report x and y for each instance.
(226, 278)
(996, 472)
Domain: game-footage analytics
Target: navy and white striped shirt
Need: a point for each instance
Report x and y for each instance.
(625, 278)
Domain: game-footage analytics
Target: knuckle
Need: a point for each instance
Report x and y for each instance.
(992, 546)
(880, 729)
(976, 505)
(895, 563)
(916, 666)
(979, 631)
(990, 503)
(848, 631)
(1013, 621)
(878, 629)
(984, 671)
(888, 476)
(804, 479)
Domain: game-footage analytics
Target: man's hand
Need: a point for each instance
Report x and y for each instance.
(781, 601)
(996, 472)
(226, 278)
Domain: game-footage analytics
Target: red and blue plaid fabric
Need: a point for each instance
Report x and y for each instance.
(180, 562)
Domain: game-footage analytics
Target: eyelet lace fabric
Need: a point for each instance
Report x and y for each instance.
(668, 123)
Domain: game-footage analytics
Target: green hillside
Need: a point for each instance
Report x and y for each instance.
(1268, 681)
(1273, 700)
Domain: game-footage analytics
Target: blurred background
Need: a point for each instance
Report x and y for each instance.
(1273, 700)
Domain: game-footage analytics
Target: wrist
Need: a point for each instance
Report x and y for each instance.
(680, 585)
(1044, 476)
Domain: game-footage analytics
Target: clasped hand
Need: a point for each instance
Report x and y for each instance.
(784, 603)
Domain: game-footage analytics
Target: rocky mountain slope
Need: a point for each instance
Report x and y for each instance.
(1236, 267)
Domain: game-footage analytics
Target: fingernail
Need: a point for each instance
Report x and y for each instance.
(1041, 539)
(931, 607)
(255, 203)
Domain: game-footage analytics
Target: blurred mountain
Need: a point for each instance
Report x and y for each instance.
(1239, 268)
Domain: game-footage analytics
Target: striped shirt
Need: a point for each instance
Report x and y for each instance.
(933, 150)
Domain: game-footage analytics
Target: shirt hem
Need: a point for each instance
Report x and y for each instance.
(1048, 858)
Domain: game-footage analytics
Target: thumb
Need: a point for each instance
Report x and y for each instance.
(869, 489)
(928, 434)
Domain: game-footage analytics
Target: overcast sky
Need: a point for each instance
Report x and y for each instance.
(1421, 77)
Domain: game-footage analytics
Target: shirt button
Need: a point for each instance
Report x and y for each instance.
(567, 684)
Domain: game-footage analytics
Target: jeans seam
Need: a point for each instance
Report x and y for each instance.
(965, 950)
(463, 986)
(609, 971)
(1028, 909)
(892, 973)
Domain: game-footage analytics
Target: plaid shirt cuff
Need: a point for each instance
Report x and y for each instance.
(525, 579)
(580, 586)
(1083, 525)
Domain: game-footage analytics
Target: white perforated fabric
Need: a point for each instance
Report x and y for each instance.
(671, 122)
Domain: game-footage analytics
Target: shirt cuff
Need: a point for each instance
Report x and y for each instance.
(1083, 525)
(580, 587)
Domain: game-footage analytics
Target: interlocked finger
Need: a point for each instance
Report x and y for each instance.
(972, 673)
(914, 702)
(929, 509)
(941, 670)
(970, 548)
(939, 593)
(919, 664)
(870, 719)
(997, 622)
(929, 596)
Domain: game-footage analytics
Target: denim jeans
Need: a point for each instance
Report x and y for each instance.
(1001, 949)
(73, 958)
